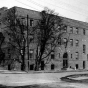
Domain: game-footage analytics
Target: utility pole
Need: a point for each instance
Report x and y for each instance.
(27, 42)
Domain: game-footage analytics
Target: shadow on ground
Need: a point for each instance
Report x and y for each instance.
(69, 78)
(33, 86)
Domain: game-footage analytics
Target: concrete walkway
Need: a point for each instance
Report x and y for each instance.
(15, 78)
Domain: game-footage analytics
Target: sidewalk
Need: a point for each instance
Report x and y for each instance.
(34, 72)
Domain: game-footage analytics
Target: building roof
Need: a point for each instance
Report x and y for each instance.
(36, 15)
(75, 23)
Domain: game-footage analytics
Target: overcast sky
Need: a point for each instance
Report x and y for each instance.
(74, 9)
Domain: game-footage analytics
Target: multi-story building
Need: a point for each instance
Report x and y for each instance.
(74, 55)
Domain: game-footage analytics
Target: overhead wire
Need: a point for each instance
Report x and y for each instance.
(50, 4)
(27, 5)
(74, 7)
(35, 3)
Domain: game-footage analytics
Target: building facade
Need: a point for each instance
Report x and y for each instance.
(74, 55)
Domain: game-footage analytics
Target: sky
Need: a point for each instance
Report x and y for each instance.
(74, 9)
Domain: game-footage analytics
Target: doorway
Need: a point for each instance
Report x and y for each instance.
(77, 66)
(65, 60)
(9, 67)
(83, 64)
(52, 66)
(42, 65)
(32, 67)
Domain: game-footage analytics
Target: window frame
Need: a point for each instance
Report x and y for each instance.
(77, 42)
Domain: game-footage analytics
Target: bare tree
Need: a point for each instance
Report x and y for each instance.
(2, 54)
(48, 31)
(17, 40)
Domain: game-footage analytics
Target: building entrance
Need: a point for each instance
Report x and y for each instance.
(65, 60)
(83, 64)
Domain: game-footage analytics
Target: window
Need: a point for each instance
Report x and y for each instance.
(84, 32)
(87, 56)
(52, 55)
(31, 22)
(31, 53)
(59, 55)
(71, 30)
(31, 38)
(71, 42)
(65, 28)
(65, 40)
(77, 55)
(84, 49)
(71, 55)
(59, 41)
(77, 31)
(77, 43)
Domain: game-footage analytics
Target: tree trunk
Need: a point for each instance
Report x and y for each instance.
(37, 64)
(23, 60)
(23, 63)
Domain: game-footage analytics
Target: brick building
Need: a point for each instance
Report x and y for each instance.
(75, 55)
